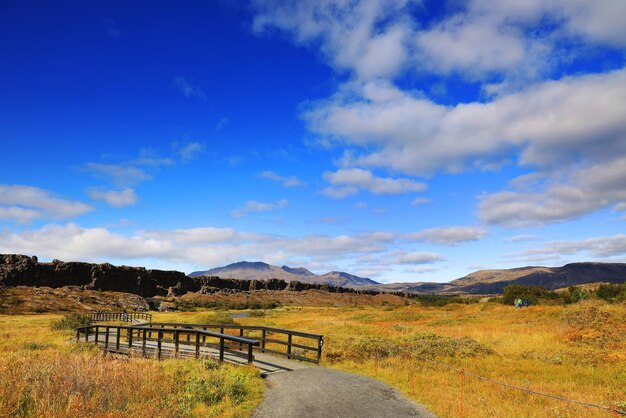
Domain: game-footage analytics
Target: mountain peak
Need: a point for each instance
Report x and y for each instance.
(301, 271)
(255, 265)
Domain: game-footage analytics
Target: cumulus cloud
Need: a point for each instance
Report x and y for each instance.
(203, 246)
(254, 206)
(557, 197)
(347, 182)
(118, 199)
(550, 123)
(120, 174)
(26, 203)
(286, 181)
(451, 235)
(610, 246)
(368, 37)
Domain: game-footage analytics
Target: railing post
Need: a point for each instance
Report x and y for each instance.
(176, 339)
(143, 344)
(250, 356)
(197, 344)
(106, 338)
(117, 339)
(288, 346)
(263, 335)
(159, 338)
(320, 344)
(77, 334)
(130, 339)
(86, 334)
(97, 333)
(241, 343)
(221, 348)
(204, 336)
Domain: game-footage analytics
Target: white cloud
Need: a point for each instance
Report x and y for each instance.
(520, 238)
(550, 123)
(118, 199)
(191, 151)
(451, 235)
(610, 246)
(367, 37)
(347, 182)
(286, 181)
(206, 246)
(254, 206)
(402, 257)
(26, 203)
(557, 197)
(188, 88)
(120, 174)
(419, 201)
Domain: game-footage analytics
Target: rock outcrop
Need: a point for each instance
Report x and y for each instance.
(21, 270)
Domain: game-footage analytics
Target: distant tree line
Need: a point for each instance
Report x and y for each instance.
(610, 292)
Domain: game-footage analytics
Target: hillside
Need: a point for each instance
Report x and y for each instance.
(246, 270)
(494, 281)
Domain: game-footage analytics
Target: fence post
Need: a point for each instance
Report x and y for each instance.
(197, 344)
(320, 344)
(143, 343)
(159, 338)
(86, 334)
(462, 380)
(221, 349)
(130, 339)
(176, 339)
(106, 338)
(263, 334)
(97, 333)
(241, 343)
(117, 339)
(250, 355)
(77, 334)
(288, 346)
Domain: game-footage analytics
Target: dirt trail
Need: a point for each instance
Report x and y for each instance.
(318, 392)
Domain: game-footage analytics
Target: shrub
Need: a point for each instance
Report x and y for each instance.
(532, 293)
(216, 318)
(71, 321)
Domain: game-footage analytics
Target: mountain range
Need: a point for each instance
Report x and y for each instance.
(256, 270)
(479, 282)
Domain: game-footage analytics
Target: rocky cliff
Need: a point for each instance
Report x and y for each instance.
(21, 270)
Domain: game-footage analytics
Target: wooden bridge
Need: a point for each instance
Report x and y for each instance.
(269, 349)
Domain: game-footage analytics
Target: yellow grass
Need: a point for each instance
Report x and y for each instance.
(42, 374)
(577, 352)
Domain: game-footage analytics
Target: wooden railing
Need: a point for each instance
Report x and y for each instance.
(137, 337)
(119, 316)
(294, 343)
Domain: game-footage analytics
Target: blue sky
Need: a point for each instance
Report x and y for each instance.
(398, 140)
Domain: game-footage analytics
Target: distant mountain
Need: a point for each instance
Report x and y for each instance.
(246, 270)
(494, 281)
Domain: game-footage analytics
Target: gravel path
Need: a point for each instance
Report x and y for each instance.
(318, 392)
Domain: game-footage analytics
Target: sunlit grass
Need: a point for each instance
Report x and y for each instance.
(43, 373)
(537, 348)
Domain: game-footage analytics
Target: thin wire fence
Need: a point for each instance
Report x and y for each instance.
(614, 409)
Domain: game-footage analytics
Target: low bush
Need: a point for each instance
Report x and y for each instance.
(71, 321)
(216, 318)
(420, 344)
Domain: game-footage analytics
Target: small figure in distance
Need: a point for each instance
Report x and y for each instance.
(526, 303)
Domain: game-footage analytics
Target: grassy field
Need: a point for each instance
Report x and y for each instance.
(577, 352)
(43, 375)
